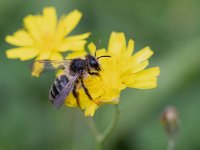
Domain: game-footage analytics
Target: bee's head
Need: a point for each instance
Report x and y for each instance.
(93, 63)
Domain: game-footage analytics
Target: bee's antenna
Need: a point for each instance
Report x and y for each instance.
(98, 45)
(103, 56)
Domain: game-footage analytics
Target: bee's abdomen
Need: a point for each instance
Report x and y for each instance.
(59, 83)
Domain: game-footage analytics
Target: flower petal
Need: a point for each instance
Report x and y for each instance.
(149, 73)
(50, 18)
(90, 109)
(142, 55)
(76, 54)
(68, 23)
(71, 101)
(145, 84)
(132, 69)
(44, 55)
(40, 25)
(85, 104)
(79, 37)
(23, 53)
(37, 68)
(100, 52)
(31, 24)
(117, 44)
(139, 67)
(130, 48)
(92, 48)
(75, 42)
(72, 45)
(145, 79)
(20, 38)
(56, 56)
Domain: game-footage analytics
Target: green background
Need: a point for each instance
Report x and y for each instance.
(170, 27)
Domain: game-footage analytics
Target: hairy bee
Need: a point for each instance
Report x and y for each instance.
(74, 71)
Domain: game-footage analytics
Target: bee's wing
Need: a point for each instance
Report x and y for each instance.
(60, 98)
(40, 66)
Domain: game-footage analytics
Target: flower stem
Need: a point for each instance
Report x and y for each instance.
(171, 143)
(112, 126)
(101, 137)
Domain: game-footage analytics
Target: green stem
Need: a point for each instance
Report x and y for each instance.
(112, 126)
(93, 127)
(171, 143)
(101, 137)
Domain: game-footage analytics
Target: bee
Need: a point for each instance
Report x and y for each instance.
(74, 71)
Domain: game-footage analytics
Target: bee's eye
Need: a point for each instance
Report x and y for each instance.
(94, 64)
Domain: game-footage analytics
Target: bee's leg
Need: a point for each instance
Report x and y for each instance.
(93, 73)
(86, 90)
(76, 95)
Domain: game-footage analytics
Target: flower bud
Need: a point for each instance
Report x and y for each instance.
(170, 121)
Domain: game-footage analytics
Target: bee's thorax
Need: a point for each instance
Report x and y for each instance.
(78, 66)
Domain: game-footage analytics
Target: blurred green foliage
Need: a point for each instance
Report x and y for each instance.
(169, 27)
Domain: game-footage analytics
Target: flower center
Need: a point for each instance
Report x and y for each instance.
(48, 42)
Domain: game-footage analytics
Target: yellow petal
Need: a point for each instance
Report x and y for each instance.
(102, 52)
(92, 48)
(149, 84)
(85, 104)
(40, 25)
(117, 44)
(139, 67)
(32, 26)
(44, 55)
(148, 73)
(113, 101)
(110, 96)
(90, 109)
(50, 17)
(79, 37)
(130, 48)
(68, 23)
(145, 79)
(132, 68)
(72, 45)
(76, 54)
(71, 101)
(20, 38)
(23, 53)
(37, 69)
(142, 55)
(56, 56)
(89, 106)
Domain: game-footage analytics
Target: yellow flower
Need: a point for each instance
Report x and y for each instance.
(120, 71)
(44, 36)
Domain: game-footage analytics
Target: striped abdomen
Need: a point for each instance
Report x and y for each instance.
(59, 83)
